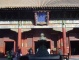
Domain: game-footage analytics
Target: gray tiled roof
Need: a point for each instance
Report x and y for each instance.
(38, 3)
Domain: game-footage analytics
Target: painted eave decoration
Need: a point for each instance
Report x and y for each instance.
(38, 3)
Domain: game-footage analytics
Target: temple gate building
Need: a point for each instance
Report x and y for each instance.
(22, 22)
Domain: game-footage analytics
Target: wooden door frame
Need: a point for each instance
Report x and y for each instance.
(69, 48)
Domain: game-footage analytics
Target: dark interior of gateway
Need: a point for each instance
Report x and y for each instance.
(9, 46)
(74, 47)
(37, 45)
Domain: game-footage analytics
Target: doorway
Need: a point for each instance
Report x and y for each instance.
(74, 47)
(46, 44)
(9, 46)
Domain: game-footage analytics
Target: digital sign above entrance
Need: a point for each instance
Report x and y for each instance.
(42, 38)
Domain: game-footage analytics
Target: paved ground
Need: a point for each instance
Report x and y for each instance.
(74, 59)
(5, 59)
(69, 59)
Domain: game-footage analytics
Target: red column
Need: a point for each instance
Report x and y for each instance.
(58, 42)
(64, 39)
(19, 38)
(61, 43)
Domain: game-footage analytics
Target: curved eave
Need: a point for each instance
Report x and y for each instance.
(38, 3)
(38, 7)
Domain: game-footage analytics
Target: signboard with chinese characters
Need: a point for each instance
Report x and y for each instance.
(41, 16)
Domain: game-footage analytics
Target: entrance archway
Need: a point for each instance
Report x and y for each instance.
(37, 45)
(74, 47)
(9, 46)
